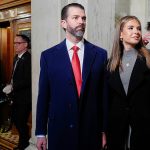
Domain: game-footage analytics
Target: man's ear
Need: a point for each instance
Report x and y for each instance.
(26, 45)
(63, 24)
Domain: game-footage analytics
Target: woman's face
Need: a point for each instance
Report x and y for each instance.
(131, 34)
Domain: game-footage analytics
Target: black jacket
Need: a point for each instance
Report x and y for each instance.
(22, 80)
(131, 109)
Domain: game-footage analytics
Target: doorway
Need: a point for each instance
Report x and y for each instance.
(6, 52)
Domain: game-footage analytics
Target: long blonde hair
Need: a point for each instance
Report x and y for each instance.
(117, 49)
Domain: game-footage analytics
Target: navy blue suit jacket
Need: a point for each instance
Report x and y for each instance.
(73, 123)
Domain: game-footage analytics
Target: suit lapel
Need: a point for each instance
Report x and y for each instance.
(63, 58)
(137, 75)
(89, 56)
(116, 83)
(20, 61)
(136, 78)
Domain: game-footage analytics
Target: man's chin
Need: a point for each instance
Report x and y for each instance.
(79, 37)
(80, 34)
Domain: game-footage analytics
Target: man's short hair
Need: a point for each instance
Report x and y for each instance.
(64, 11)
(26, 39)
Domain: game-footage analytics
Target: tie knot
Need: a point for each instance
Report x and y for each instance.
(75, 48)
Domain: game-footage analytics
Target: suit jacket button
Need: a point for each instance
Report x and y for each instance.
(71, 126)
(70, 83)
(127, 108)
(69, 106)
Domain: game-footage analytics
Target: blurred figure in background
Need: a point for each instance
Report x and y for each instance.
(146, 36)
(20, 88)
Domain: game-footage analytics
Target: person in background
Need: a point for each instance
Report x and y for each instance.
(128, 85)
(71, 85)
(20, 86)
(146, 36)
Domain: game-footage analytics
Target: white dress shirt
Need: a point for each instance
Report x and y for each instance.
(80, 51)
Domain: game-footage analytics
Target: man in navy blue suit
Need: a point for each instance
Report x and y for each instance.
(69, 108)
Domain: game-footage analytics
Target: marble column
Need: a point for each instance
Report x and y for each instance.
(141, 13)
(46, 32)
(147, 10)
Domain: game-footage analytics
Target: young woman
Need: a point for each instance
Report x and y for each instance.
(129, 88)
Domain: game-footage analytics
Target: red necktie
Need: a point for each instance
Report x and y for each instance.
(76, 69)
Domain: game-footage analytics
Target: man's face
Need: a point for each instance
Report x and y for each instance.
(20, 45)
(75, 23)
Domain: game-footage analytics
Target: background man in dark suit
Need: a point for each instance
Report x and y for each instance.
(21, 88)
(70, 99)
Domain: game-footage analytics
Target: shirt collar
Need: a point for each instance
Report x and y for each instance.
(20, 55)
(70, 44)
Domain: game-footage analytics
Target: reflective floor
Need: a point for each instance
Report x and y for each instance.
(8, 139)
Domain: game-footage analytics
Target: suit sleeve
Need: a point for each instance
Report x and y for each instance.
(105, 98)
(43, 98)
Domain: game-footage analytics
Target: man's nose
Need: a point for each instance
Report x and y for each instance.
(80, 20)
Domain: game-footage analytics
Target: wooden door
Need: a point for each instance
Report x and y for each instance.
(6, 52)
